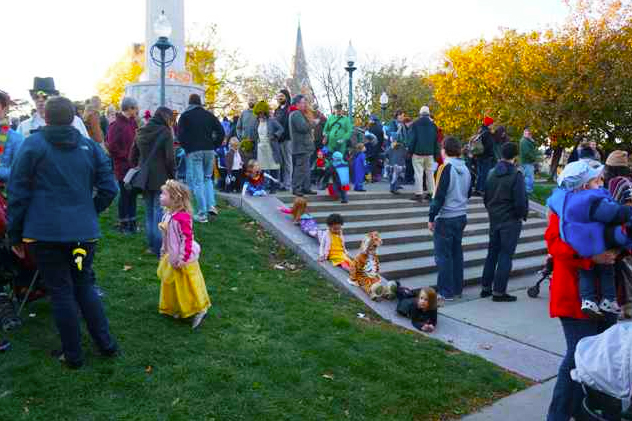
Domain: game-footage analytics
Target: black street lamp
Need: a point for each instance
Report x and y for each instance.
(351, 58)
(162, 28)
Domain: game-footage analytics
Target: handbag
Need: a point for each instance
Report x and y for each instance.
(136, 178)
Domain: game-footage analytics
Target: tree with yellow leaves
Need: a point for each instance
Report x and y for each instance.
(125, 70)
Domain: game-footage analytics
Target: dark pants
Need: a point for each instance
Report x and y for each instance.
(126, 206)
(271, 185)
(72, 290)
(153, 216)
(448, 236)
(483, 166)
(588, 283)
(221, 183)
(300, 177)
(503, 240)
(235, 183)
(410, 171)
(567, 394)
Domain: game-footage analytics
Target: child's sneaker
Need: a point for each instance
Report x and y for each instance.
(610, 306)
(590, 308)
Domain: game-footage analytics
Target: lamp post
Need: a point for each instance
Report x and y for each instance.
(383, 104)
(162, 29)
(351, 59)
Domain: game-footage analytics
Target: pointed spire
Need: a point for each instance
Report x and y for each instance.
(300, 77)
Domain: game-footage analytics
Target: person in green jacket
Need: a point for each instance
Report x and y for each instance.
(528, 158)
(338, 130)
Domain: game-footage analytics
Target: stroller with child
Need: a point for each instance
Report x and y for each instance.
(19, 280)
(604, 369)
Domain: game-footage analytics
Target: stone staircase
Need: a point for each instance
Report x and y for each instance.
(407, 253)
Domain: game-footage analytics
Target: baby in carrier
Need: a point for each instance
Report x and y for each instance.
(591, 221)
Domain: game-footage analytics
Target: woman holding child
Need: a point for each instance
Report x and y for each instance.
(574, 272)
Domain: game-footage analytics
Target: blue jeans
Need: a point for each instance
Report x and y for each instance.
(448, 236)
(529, 176)
(588, 285)
(567, 394)
(72, 290)
(153, 216)
(503, 240)
(200, 179)
(483, 166)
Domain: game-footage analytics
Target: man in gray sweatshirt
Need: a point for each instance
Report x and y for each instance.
(448, 217)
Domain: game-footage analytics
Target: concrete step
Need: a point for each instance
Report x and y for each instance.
(322, 196)
(474, 211)
(418, 266)
(406, 236)
(472, 275)
(411, 250)
(366, 205)
(475, 226)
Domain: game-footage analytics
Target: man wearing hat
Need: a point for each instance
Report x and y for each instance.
(338, 130)
(10, 140)
(44, 87)
(485, 161)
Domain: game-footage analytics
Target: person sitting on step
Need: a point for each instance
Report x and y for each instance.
(365, 271)
(332, 244)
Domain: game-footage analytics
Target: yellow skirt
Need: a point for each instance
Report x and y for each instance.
(182, 291)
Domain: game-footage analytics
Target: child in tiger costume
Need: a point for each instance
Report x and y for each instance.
(365, 270)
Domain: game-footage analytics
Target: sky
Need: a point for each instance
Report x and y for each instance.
(75, 41)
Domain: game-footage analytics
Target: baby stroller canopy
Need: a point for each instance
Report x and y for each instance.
(604, 362)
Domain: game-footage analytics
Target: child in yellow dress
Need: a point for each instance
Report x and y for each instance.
(332, 244)
(183, 291)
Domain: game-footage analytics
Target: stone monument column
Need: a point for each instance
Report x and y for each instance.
(178, 84)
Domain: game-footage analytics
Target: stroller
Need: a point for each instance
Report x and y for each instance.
(19, 280)
(544, 274)
(604, 369)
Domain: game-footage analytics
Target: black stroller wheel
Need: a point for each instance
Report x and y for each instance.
(533, 291)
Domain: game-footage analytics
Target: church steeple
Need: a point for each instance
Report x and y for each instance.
(300, 77)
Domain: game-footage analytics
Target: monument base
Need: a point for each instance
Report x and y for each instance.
(176, 95)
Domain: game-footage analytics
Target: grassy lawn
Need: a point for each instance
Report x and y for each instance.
(278, 345)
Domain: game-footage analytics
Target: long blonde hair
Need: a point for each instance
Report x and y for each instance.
(180, 196)
(298, 208)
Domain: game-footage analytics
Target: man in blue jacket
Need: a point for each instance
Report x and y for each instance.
(10, 140)
(59, 184)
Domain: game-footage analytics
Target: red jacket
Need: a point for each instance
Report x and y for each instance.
(564, 290)
(119, 140)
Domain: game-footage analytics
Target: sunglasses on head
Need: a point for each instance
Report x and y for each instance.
(41, 94)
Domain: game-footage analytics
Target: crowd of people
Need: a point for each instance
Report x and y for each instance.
(60, 165)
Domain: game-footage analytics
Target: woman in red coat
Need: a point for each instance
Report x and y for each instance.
(565, 303)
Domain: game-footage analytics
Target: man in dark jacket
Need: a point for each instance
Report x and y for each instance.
(507, 204)
(61, 181)
(119, 141)
(425, 150)
(282, 114)
(485, 161)
(302, 147)
(200, 133)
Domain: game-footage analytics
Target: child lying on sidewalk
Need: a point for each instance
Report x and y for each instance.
(332, 244)
(420, 306)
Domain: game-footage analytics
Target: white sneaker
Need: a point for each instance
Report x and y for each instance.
(440, 300)
(610, 306)
(591, 308)
(202, 219)
(198, 319)
(213, 211)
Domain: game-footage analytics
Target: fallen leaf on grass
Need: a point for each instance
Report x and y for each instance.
(175, 401)
(279, 267)
(127, 268)
(32, 315)
(149, 369)
(5, 393)
(234, 289)
(361, 315)
(328, 376)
